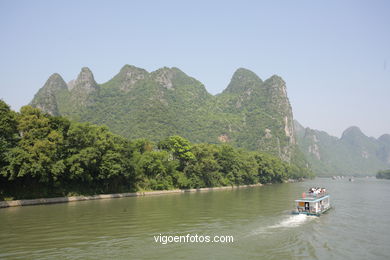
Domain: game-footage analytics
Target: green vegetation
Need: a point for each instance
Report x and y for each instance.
(352, 154)
(383, 174)
(43, 156)
(249, 114)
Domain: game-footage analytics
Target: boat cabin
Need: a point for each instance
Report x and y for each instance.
(315, 202)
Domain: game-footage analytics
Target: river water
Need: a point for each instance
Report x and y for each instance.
(258, 218)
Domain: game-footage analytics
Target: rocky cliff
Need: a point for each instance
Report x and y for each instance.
(46, 98)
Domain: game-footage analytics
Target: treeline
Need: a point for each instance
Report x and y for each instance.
(385, 174)
(43, 155)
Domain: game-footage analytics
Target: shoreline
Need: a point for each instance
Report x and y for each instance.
(55, 200)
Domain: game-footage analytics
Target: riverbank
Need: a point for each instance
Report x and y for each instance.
(41, 201)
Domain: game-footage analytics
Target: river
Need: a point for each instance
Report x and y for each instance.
(258, 219)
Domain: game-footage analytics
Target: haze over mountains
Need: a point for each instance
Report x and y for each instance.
(352, 154)
(250, 113)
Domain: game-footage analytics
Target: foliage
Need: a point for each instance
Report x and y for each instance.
(180, 149)
(45, 155)
(385, 174)
(8, 130)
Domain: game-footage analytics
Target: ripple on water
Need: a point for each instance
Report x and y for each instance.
(258, 219)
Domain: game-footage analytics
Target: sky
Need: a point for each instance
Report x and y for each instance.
(333, 55)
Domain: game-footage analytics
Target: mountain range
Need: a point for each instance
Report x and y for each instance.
(250, 113)
(352, 154)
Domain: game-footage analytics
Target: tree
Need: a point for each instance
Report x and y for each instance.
(157, 170)
(271, 169)
(232, 164)
(204, 170)
(38, 154)
(180, 149)
(8, 131)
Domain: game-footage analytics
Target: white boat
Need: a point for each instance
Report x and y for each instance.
(315, 202)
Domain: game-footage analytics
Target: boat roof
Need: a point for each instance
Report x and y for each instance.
(312, 199)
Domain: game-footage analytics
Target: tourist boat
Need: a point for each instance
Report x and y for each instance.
(314, 203)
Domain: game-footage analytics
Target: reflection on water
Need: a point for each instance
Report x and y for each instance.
(258, 218)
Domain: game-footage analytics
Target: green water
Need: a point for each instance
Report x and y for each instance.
(258, 219)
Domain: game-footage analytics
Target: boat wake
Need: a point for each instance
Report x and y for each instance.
(293, 221)
(290, 222)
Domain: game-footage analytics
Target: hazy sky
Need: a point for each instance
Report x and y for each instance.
(333, 55)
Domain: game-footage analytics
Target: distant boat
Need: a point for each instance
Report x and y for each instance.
(351, 179)
(314, 203)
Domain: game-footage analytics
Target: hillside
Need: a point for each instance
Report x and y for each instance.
(352, 154)
(250, 113)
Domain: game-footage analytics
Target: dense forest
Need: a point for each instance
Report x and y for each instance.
(44, 156)
(385, 174)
